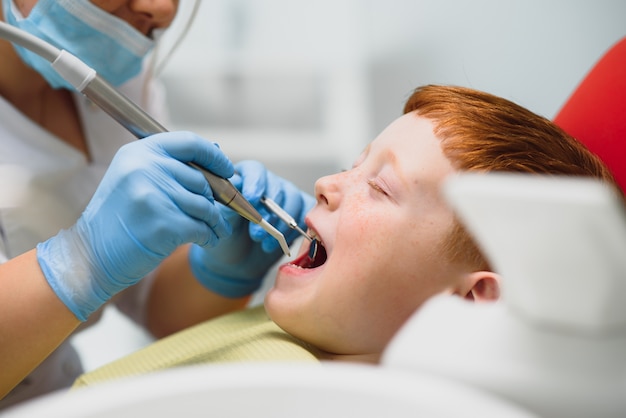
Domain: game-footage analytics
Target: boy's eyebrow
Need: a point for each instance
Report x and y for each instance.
(392, 159)
(362, 155)
(395, 164)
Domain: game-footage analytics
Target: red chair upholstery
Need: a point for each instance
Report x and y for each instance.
(595, 113)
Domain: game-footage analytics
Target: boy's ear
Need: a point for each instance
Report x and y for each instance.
(482, 286)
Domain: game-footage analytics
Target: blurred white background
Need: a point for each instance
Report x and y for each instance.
(303, 86)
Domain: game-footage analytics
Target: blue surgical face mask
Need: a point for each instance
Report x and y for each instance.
(106, 43)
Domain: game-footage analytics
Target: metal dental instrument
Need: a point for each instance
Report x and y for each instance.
(291, 222)
(313, 249)
(129, 115)
(284, 216)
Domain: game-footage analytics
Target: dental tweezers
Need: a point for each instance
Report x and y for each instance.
(291, 222)
(284, 216)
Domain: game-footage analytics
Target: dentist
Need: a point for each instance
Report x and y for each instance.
(105, 218)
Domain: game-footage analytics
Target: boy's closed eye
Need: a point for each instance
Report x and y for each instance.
(377, 187)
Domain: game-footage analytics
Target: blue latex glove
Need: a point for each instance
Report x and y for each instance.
(236, 266)
(148, 203)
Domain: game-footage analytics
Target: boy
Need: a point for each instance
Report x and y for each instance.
(387, 240)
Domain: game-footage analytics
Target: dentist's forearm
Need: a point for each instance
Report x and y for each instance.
(33, 320)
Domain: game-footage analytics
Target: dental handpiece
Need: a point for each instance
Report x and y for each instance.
(129, 115)
(140, 124)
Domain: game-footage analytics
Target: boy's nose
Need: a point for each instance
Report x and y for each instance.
(328, 190)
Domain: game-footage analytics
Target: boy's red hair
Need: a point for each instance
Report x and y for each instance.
(483, 132)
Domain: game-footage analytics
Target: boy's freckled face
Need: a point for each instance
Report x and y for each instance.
(381, 223)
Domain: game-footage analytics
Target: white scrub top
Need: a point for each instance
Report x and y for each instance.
(56, 182)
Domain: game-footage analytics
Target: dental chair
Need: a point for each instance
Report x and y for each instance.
(555, 344)
(595, 113)
(276, 390)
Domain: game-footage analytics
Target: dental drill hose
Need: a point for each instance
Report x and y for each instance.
(129, 115)
(140, 124)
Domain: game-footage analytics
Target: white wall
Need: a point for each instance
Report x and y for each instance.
(275, 80)
(533, 52)
(303, 86)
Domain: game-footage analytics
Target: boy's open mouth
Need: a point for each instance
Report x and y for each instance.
(312, 259)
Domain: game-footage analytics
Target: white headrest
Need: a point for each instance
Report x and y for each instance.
(556, 342)
(489, 348)
(559, 243)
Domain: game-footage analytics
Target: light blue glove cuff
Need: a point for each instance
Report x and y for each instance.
(229, 287)
(65, 266)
